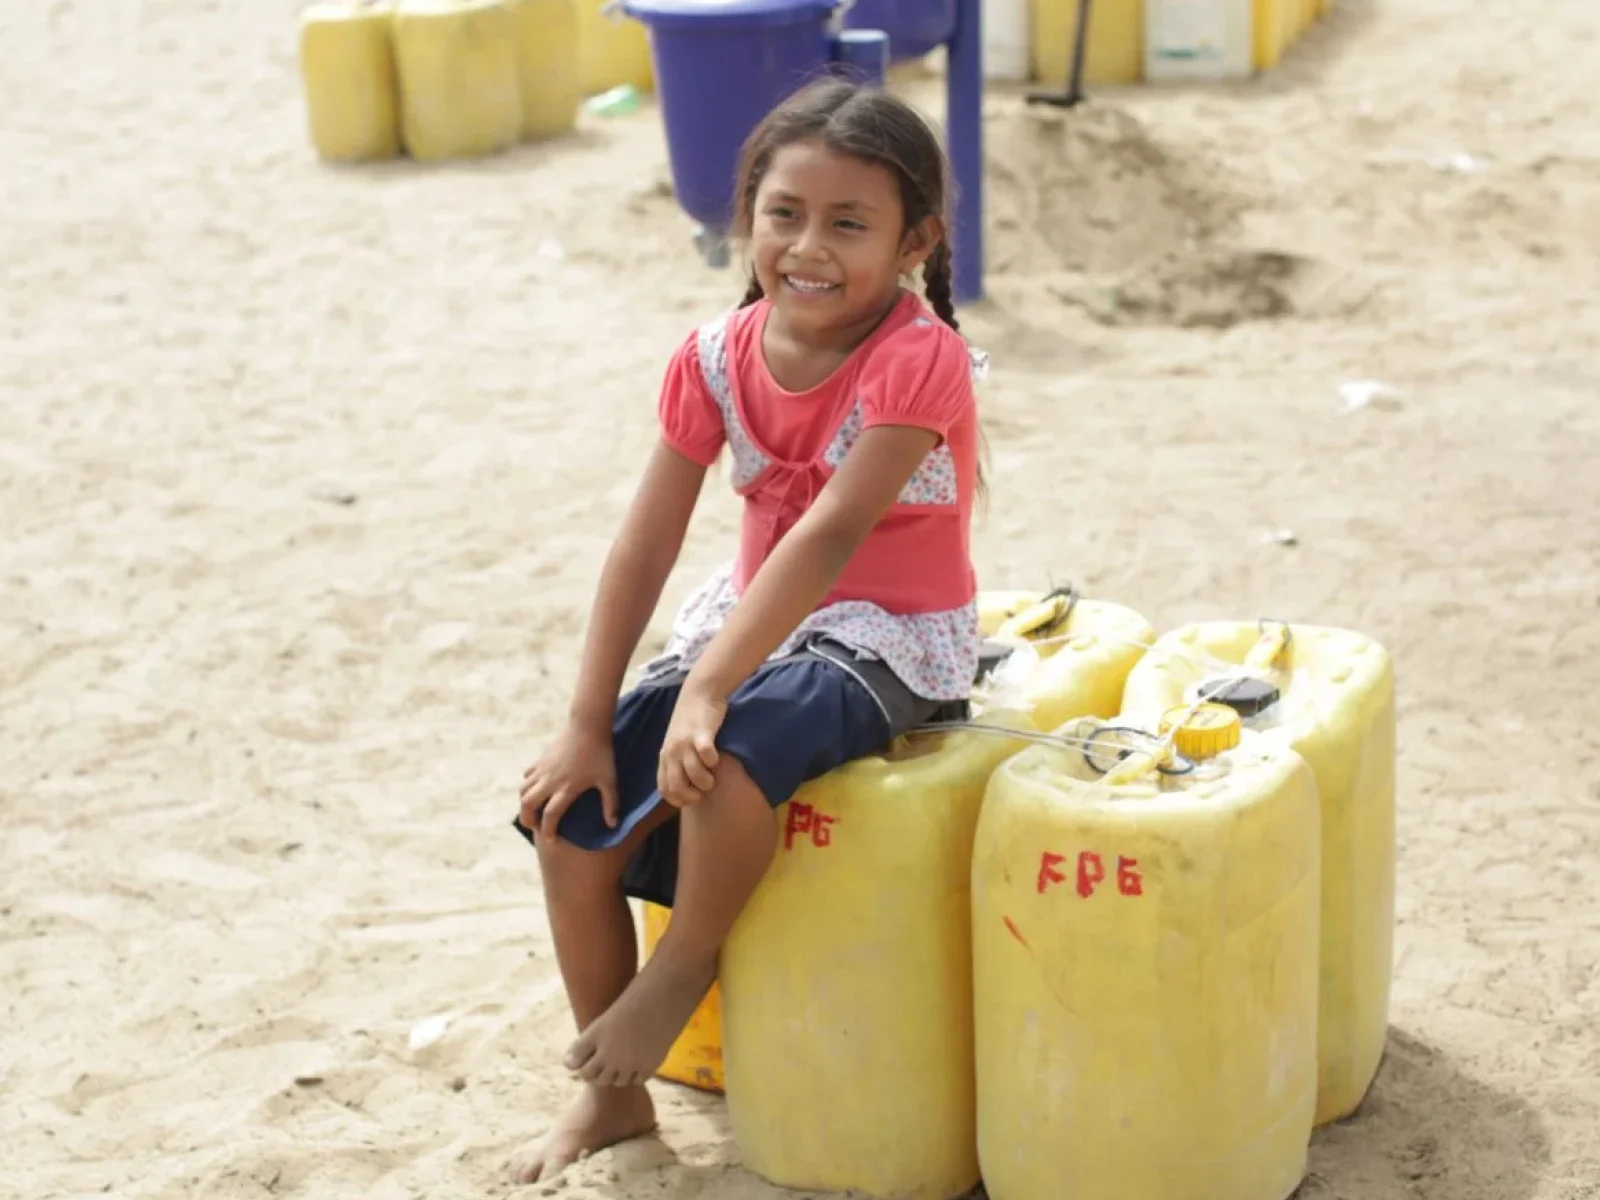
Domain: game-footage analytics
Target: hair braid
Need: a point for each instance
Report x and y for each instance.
(936, 284)
(753, 292)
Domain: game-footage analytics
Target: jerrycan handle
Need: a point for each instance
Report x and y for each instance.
(1269, 648)
(1042, 618)
(1069, 595)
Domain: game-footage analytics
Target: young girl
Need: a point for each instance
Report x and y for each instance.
(847, 617)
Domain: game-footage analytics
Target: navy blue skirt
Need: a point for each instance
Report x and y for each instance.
(796, 718)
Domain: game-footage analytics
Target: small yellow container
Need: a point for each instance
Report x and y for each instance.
(696, 1057)
(547, 66)
(612, 50)
(457, 61)
(1115, 49)
(347, 73)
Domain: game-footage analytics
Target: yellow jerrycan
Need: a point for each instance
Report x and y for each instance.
(1274, 32)
(1113, 51)
(547, 66)
(460, 96)
(1328, 693)
(847, 981)
(1070, 655)
(347, 75)
(696, 1056)
(612, 50)
(1144, 911)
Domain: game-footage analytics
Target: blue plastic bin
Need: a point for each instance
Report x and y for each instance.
(720, 67)
(915, 27)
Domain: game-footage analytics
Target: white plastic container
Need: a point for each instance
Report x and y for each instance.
(1005, 40)
(1198, 39)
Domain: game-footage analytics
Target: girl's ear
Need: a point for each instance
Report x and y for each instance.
(919, 242)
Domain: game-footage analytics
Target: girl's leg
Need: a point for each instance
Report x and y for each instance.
(597, 951)
(726, 842)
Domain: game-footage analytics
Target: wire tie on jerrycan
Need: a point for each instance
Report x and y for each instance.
(1123, 741)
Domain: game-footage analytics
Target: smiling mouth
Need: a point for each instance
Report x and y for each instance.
(809, 287)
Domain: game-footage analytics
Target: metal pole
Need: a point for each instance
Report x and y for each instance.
(964, 132)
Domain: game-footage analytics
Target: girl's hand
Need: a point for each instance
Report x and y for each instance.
(689, 751)
(579, 759)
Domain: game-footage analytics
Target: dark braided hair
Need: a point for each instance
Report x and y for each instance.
(936, 281)
(867, 123)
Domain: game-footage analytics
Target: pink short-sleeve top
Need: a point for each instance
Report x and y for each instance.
(908, 594)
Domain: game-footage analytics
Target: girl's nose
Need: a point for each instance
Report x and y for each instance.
(811, 243)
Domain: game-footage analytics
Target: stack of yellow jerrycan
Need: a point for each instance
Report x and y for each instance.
(1329, 694)
(437, 78)
(1144, 907)
(845, 995)
(1114, 51)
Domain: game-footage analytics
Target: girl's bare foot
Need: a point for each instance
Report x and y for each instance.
(597, 1117)
(627, 1043)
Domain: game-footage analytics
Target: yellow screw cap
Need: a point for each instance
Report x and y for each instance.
(1210, 730)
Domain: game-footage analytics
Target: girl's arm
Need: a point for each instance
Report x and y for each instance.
(798, 573)
(632, 580)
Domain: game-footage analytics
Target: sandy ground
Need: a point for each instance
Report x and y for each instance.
(304, 476)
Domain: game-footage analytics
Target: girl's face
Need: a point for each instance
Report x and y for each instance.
(828, 239)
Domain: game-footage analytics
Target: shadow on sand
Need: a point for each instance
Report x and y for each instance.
(1427, 1131)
